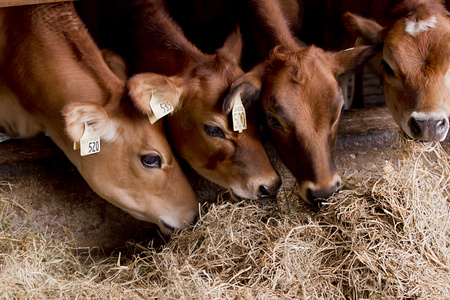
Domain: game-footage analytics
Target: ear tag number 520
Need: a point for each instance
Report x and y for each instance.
(238, 114)
(89, 142)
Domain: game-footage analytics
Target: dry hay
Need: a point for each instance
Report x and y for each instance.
(382, 238)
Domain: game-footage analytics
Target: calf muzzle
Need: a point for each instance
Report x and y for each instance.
(316, 193)
(426, 127)
(266, 191)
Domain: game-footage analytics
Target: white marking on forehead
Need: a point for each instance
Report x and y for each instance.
(414, 28)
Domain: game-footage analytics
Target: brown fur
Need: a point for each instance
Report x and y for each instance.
(296, 85)
(237, 160)
(301, 100)
(415, 67)
(58, 78)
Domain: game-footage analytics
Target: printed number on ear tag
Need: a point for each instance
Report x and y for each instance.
(238, 114)
(89, 142)
(159, 109)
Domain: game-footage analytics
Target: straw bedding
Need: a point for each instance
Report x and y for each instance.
(382, 237)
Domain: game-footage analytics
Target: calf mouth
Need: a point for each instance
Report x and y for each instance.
(425, 144)
(166, 229)
(234, 198)
(316, 195)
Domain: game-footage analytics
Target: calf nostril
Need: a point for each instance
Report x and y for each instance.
(310, 196)
(414, 126)
(320, 195)
(263, 191)
(441, 125)
(268, 191)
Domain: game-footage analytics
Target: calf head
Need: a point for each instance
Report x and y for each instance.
(416, 65)
(302, 101)
(201, 131)
(135, 168)
(57, 75)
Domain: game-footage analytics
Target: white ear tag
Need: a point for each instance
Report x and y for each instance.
(159, 109)
(89, 142)
(238, 114)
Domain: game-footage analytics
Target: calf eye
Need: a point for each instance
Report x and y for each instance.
(214, 131)
(273, 122)
(151, 161)
(387, 68)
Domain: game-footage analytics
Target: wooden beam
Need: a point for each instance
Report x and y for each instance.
(6, 3)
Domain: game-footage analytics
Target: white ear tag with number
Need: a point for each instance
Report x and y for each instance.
(239, 117)
(159, 109)
(89, 142)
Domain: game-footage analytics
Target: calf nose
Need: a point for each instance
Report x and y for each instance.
(266, 191)
(171, 223)
(166, 228)
(317, 194)
(427, 128)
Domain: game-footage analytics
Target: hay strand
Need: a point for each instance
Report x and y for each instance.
(385, 237)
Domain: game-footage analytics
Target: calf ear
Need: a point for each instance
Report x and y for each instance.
(350, 59)
(233, 46)
(142, 87)
(77, 114)
(359, 27)
(248, 87)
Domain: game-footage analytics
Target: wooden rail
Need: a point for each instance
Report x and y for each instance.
(6, 3)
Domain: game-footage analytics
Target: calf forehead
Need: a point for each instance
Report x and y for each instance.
(209, 84)
(422, 54)
(213, 88)
(431, 34)
(307, 105)
(314, 83)
(138, 135)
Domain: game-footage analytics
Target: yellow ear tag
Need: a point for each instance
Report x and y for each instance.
(159, 109)
(239, 117)
(89, 142)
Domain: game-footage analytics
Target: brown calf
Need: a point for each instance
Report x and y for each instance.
(200, 130)
(301, 100)
(322, 23)
(54, 80)
(416, 65)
